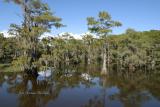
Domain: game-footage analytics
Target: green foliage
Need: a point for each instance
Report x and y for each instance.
(21, 63)
(38, 19)
(133, 48)
(7, 49)
(102, 26)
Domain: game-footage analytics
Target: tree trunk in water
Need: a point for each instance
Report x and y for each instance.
(89, 56)
(108, 58)
(104, 68)
(67, 60)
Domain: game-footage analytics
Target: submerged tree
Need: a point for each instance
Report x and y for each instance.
(102, 27)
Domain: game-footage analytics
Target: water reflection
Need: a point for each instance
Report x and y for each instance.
(73, 89)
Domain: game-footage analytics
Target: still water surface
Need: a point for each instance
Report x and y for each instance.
(80, 90)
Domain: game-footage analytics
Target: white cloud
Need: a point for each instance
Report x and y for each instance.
(89, 33)
(5, 33)
(46, 35)
(76, 36)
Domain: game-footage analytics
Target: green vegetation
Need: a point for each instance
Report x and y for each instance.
(128, 51)
(102, 26)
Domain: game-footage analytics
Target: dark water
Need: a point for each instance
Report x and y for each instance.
(80, 90)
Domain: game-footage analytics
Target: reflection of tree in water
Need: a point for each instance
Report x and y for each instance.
(94, 102)
(72, 78)
(1, 78)
(100, 100)
(41, 94)
(152, 85)
(132, 91)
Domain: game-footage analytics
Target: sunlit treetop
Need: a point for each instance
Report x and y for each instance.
(103, 24)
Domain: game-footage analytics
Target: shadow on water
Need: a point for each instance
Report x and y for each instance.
(80, 87)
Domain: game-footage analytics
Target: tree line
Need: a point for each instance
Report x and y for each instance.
(25, 51)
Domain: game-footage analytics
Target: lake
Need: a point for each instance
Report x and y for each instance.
(80, 89)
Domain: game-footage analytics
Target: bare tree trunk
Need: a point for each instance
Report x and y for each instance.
(89, 56)
(104, 68)
(67, 59)
(108, 56)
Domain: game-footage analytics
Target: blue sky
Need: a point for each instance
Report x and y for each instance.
(138, 14)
